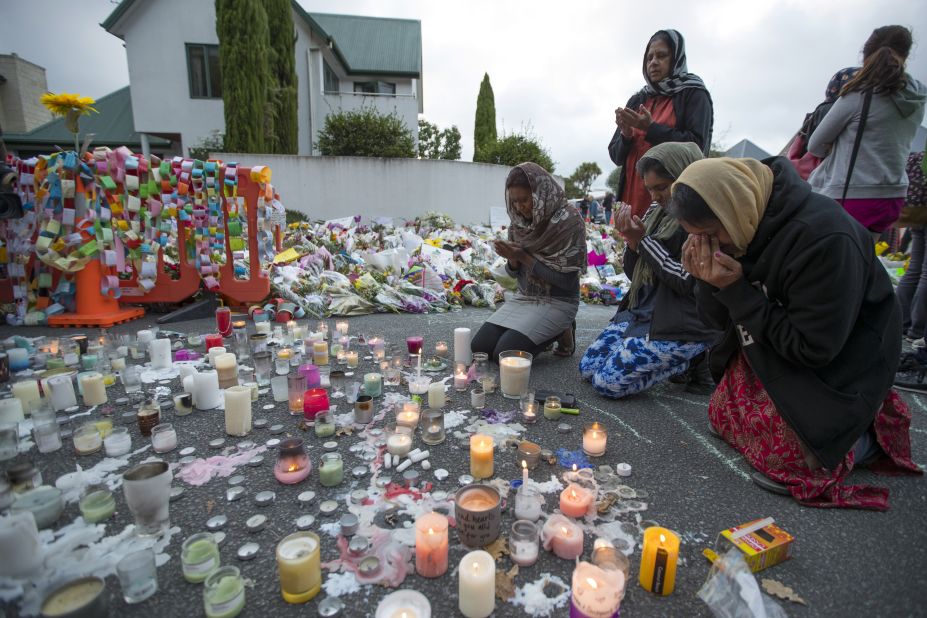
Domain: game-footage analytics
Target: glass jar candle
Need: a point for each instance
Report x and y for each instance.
(331, 470)
(529, 413)
(320, 352)
(118, 442)
(163, 438)
(342, 327)
(199, 557)
(87, 439)
(296, 388)
(441, 349)
(392, 374)
(314, 400)
(488, 382)
(460, 377)
(299, 566)
(9, 440)
(262, 367)
(414, 344)
(373, 384)
(409, 415)
(595, 437)
(523, 542)
(213, 340)
(242, 343)
(514, 372)
(336, 379)
(97, 504)
(148, 415)
(398, 439)
(477, 399)
(351, 359)
(224, 321)
(46, 431)
(138, 576)
(258, 343)
(282, 361)
(224, 592)
(226, 369)
(552, 408)
(528, 501)
(433, 427)
(324, 424)
(528, 452)
(293, 465)
(363, 410)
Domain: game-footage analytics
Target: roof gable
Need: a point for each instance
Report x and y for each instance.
(745, 149)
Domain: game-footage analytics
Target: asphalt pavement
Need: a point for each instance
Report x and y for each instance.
(844, 562)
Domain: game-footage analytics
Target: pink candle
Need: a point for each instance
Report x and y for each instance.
(563, 537)
(415, 344)
(431, 545)
(293, 463)
(575, 500)
(315, 400)
(213, 341)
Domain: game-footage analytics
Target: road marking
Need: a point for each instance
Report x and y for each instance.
(703, 404)
(730, 462)
(917, 400)
(617, 420)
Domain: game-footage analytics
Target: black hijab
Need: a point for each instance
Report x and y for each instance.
(679, 78)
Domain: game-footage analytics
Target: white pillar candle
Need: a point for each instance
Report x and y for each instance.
(20, 550)
(27, 391)
(189, 385)
(462, 352)
(214, 352)
(206, 390)
(262, 328)
(117, 363)
(237, 410)
(159, 350)
(11, 410)
(514, 372)
(227, 369)
(436, 397)
(185, 370)
(145, 336)
(62, 393)
(477, 591)
(93, 389)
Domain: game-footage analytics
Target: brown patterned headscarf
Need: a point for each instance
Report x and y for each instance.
(555, 235)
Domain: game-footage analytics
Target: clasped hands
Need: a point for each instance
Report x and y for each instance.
(629, 226)
(628, 119)
(515, 255)
(703, 259)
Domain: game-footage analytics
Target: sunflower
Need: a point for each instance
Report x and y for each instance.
(61, 104)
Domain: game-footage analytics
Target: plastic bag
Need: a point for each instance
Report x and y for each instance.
(731, 590)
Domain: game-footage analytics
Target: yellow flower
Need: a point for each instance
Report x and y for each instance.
(61, 104)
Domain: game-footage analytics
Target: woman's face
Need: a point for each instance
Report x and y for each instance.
(521, 200)
(658, 61)
(712, 229)
(659, 187)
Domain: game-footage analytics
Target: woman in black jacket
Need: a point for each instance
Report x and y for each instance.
(656, 332)
(812, 330)
(674, 106)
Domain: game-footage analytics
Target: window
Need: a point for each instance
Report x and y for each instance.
(203, 71)
(331, 79)
(375, 87)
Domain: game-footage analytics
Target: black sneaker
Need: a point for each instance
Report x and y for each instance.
(913, 379)
(700, 380)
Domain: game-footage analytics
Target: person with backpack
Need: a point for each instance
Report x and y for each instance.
(607, 205)
(866, 136)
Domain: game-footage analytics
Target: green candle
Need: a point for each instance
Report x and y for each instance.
(97, 506)
(199, 557)
(373, 384)
(324, 427)
(331, 472)
(224, 593)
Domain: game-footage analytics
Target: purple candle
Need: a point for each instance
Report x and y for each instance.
(311, 373)
(415, 344)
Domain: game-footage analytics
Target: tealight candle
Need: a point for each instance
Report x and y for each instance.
(351, 358)
(94, 391)
(431, 545)
(398, 440)
(523, 542)
(481, 456)
(460, 377)
(441, 349)
(594, 438)
(27, 391)
(575, 500)
(658, 560)
(404, 604)
(595, 592)
(563, 537)
(436, 396)
(299, 566)
(418, 385)
(477, 585)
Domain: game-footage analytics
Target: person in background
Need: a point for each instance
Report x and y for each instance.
(873, 191)
(812, 330)
(673, 106)
(593, 209)
(546, 252)
(583, 206)
(656, 332)
(912, 289)
(607, 205)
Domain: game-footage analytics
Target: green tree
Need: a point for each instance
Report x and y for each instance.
(365, 132)
(285, 136)
(518, 148)
(484, 131)
(434, 143)
(585, 175)
(570, 188)
(244, 60)
(613, 180)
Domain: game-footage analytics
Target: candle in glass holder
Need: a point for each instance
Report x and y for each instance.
(530, 453)
(418, 385)
(552, 407)
(460, 377)
(93, 389)
(18, 359)
(224, 321)
(224, 591)
(414, 344)
(363, 410)
(262, 328)
(596, 592)
(514, 372)
(163, 438)
(27, 391)
(441, 349)
(409, 415)
(293, 463)
(373, 384)
(431, 545)
(481, 456)
(433, 427)
(213, 340)
(11, 411)
(331, 470)
(528, 501)
(118, 443)
(523, 542)
(296, 390)
(314, 400)
(594, 438)
(529, 413)
(404, 604)
(237, 410)
(351, 358)
(159, 350)
(477, 585)
(342, 327)
(199, 557)
(213, 353)
(563, 537)
(226, 369)
(478, 399)
(87, 439)
(299, 566)
(324, 424)
(148, 415)
(436, 396)
(658, 560)
(575, 500)
(322, 327)
(398, 440)
(320, 352)
(282, 362)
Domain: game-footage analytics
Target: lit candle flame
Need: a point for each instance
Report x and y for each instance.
(592, 583)
(524, 464)
(431, 531)
(573, 493)
(476, 566)
(482, 444)
(565, 531)
(574, 467)
(662, 539)
(293, 467)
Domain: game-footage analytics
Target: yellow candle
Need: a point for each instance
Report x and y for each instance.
(481, 462)
(93, 389)
(320, 352)
(27, 391)
(300, 568)
(351, 358)
(658, 560)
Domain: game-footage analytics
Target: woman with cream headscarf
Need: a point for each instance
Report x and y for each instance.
(812, 330)
(656, 333)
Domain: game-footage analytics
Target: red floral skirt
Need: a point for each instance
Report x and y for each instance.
(745, 416)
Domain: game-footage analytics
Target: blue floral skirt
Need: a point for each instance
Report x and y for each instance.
(619, 366)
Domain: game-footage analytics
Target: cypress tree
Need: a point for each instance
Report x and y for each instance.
(283, 76)
(484, 132)
(244, 60)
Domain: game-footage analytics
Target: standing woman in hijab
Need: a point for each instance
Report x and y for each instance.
(546, 252)
(812, 330)
(656, 333)
(674, 106)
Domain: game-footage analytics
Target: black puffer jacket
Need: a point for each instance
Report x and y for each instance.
(815, 315)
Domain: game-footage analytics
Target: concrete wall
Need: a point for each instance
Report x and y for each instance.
(333, 187)
(20, 108)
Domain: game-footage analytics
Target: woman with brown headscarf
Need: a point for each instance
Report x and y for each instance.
(812, 330)
(546, 252)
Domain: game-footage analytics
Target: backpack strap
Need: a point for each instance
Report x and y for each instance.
(867, 99)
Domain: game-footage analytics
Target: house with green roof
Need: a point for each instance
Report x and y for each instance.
(343, 62)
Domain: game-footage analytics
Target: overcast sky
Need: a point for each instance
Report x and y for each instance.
(559, 68)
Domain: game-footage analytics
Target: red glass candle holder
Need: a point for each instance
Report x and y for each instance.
(315, 400)
(415, 344)
(213, 341)
(224, 321)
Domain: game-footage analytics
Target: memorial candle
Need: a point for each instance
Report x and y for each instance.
(299, 566)
(342, 327)
(563, 537)
(293, 463)
(481, 456)
(514, 373)
(237, 410)
(351, 358)
(575, 500)
(596, 593)
(320, 352)
(436, 396)
(314, 400)
(460, 377)
(27, 391)
(159, 350)
(94, 391)
(226, 369)
(11, 410)
(462, 352)
(595, 437)
(61, 389)
(213, 341)
(658, 560)
(431, 545)
(414, 344)
(477, 585)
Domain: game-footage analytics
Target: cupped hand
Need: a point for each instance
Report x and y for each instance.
(703, 259)
(630, 226)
